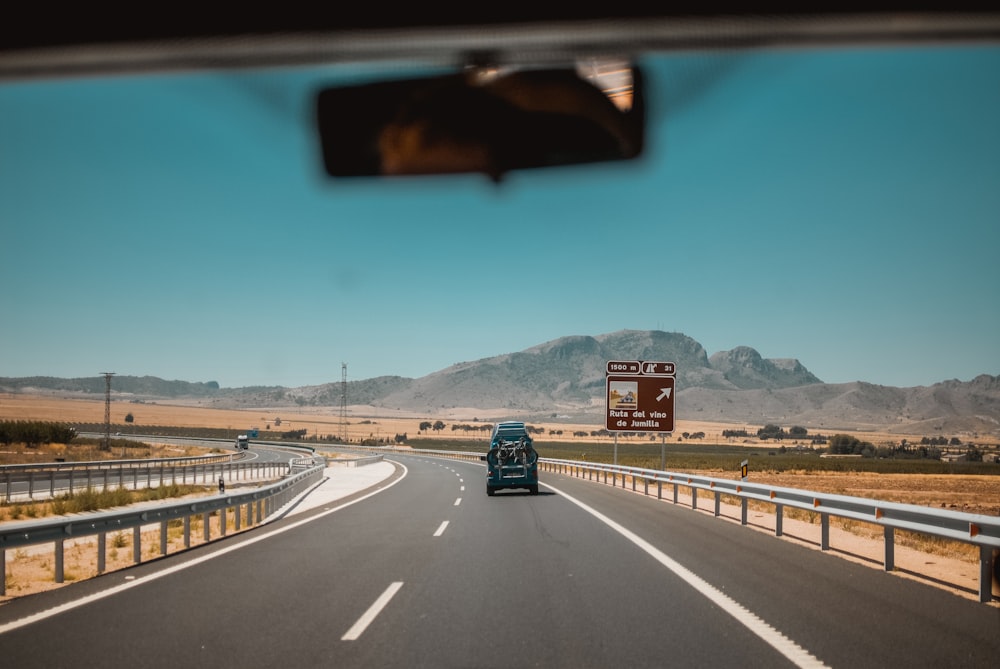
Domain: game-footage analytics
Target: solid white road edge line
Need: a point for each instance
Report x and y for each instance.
(358, 628)
(42, 615)
(791, 650)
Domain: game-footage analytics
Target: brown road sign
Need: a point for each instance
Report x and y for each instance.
(638, 403)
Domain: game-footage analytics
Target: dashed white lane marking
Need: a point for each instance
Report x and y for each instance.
(458, 501)
(799, 656)
(358, 628)
(441, 529)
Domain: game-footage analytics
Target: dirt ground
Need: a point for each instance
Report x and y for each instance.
(31, 570)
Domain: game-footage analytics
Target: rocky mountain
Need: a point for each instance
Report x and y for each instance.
(565, 378)
(744, 368)
(567, 374)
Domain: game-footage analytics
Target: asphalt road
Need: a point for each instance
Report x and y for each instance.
(430, 572)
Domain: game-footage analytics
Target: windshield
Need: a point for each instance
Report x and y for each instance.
(797, 244)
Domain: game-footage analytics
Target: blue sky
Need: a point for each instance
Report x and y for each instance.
(839, 207)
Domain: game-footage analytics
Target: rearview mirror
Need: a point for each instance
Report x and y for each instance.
(482, 120)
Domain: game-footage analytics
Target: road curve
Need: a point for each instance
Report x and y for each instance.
(430, 572)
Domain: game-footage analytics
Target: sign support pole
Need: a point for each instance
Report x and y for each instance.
(616, 449)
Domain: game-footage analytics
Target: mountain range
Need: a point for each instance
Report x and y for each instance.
(564, 379)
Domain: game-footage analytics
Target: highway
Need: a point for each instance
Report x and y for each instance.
(424, 570)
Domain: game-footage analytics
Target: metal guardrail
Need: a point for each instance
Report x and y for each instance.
(354, 462)
(68, 477)
(457, 455)
(20, 481)
(259, 504)
(100, 465)
(977, 529)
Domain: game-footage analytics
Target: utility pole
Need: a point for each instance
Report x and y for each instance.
(107, 410)
(343, 402)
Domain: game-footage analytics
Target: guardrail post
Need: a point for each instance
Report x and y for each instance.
(89, 485)
(52, 483)
(102, 542)
(222, 521)
(888, 534)
(137, 544)
(645, 486)
(676, 486)
(633, 482)
(3, 571)
(106, 479)
(824, 522)
(743, 510)
(59, 561)
(163, 537)
(659, 490)
(987, 572)
(7, 488)
(31, 485)
(205, 517)
(237, 512)
(718, 503)
(694, 498)
(71, 477)
(778, 517)
(187, 531)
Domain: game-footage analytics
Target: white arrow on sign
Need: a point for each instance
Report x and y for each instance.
(665, 393)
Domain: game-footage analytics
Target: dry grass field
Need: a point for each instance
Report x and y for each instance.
(979, 494)
(362, 422)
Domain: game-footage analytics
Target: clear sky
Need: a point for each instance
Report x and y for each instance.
(839, 207)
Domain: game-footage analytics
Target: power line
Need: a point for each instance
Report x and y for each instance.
(343, 402)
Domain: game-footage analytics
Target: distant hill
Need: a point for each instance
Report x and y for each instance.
(149, 386)
(565, 378)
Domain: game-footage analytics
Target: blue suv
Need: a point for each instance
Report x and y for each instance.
(512, 461)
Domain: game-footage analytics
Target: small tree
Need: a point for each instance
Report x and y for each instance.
(129, 417)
